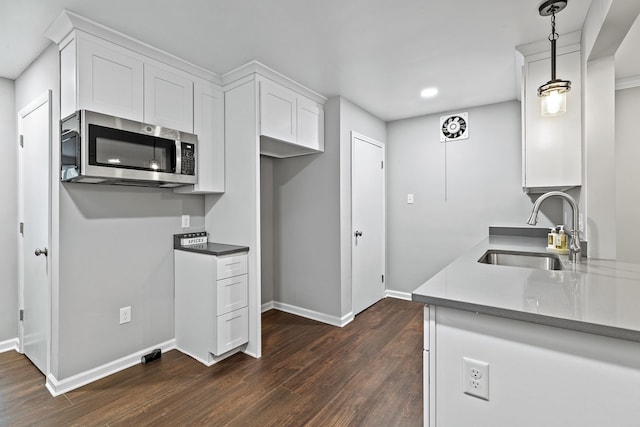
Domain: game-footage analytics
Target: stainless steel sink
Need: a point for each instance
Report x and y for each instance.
(522, 259)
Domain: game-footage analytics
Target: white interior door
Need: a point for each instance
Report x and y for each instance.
(367, 218)
(34, 124)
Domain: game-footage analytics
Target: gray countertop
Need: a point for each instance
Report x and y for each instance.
(217, 249)
(598, 296)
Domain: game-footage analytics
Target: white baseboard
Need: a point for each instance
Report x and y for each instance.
(267, 306)
(58, 387)
(397, 294)
(8, 345)
(326, 318)
(212, 359)
(309, 314)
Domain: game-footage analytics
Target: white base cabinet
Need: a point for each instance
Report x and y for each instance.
(211, 304)
(425, 370)
(538, 375)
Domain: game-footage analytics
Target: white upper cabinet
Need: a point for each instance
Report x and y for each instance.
(291, 124)
(112, 79)
(109, 80)
(277, 111)
(208, 124)
(107, 72)
(552, 146)
(168, 98)
(310, 128)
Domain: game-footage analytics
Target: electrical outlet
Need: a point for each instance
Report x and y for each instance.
(125, 315)
(475, 378)
(186, 221)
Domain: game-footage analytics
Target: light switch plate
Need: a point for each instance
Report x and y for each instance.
(410, 198)
(186, 221)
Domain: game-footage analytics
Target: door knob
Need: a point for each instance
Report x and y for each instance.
(357, 233)
(44, 252)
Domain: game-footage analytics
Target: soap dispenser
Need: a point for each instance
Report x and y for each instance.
(562, 239)
(551, 238)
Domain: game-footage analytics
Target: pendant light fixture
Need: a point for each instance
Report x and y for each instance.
(553, 94)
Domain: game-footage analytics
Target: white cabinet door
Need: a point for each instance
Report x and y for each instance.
(110, 79)
(552, 146)
(208, 124)
(277, 112)
(232, 330)
(310, 126)
(231, 294)
(231, 265)
(290, 124)
(168, 98)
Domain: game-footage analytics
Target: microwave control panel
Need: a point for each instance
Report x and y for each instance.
(188, 164)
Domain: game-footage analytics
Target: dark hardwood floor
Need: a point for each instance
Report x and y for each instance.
(368, 373)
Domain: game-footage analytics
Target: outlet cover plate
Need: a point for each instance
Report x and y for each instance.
(125, 315)
(475, 378)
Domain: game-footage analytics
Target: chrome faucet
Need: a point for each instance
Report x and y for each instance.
(575, 255)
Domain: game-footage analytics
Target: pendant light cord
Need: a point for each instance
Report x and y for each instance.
(552, 38)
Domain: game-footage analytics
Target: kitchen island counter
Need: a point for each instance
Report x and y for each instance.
(596, 296)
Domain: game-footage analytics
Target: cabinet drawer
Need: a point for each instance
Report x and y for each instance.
(232, 330)
(231, 294)
(233, 265)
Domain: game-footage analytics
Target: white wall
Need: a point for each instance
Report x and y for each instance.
(306, 226)
(606, 25)
(266, 227)
(112, 247)
(8, 213)
(460, 189)
(116, 250)
(627, 175)
(600, 175)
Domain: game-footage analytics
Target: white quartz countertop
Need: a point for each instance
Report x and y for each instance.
(598, 296)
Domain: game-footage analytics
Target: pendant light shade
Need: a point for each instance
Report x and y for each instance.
(553, 94)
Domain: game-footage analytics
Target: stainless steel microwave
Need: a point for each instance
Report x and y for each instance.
(102, 149)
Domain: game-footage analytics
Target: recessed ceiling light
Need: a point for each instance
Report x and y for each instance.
(429, 92)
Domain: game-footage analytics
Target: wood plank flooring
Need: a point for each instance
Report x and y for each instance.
(368, 373)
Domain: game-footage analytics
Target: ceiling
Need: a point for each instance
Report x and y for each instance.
(377, 53)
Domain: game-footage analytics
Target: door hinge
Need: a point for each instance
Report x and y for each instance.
(383, 278)
(22, 228)
(382, 164)
(22, 141)
(21, 315)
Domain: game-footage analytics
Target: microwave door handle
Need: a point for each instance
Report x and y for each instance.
(177, 168)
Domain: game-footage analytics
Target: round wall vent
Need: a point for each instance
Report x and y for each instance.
(454, 127)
